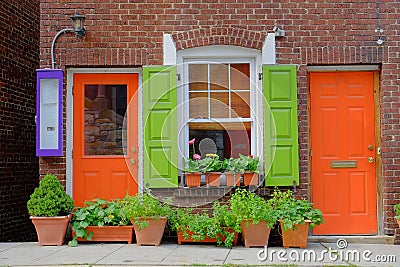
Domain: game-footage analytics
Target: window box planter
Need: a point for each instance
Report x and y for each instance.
(109, 234)
(250, 178)
(213, 178)
(232, 179)
(193, 179)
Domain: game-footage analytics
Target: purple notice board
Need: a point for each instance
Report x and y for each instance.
(49, 106)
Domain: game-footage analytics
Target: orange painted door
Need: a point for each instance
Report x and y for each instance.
(105, 143)
(343, 152)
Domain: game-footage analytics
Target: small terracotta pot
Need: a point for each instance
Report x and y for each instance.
(232, 179)
(213, 178)
(193, 179)
(51, 230)
(250, 178)
(255, 235)
(297, 236)
(151, 235)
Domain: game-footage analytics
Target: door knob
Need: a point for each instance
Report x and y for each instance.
(370, 159)
(133, 161)
(370, 147)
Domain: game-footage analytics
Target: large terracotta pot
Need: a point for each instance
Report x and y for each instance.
(151, 235)
(297, 236)
(193, 179)
(255, 235)
(232, 179)
(110, 233)
(182, 239)
(250, 178)
(51, 230)
(213, 178)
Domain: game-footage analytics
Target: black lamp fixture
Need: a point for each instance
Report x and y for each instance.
(77, 21)
(80, 31)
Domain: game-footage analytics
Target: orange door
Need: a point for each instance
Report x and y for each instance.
(105, 136)
(343, 152)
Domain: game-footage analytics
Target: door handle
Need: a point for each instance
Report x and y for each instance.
(371, 160)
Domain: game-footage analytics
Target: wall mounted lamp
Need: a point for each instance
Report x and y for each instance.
(77, 21)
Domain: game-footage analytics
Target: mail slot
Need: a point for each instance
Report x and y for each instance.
(343, 164)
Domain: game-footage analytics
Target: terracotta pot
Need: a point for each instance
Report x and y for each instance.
(398, 222)
(213, 178)
(151, 235)
(181, 238)
(255, 235)
(109, 233)
(297, 236)
(193, 179)
(232, 179)
(250, 178)
(51, 230)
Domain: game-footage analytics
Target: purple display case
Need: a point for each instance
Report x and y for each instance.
(49, 107)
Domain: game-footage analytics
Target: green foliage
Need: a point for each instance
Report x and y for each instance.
(98, 212)
(211, 163)
(292, 211)
(397, 211)
(251, 163)
(144, 205)
(248, 206)
(227, 224)
(49, 198)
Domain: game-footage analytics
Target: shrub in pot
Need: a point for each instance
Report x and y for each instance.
(148, 216)
(100, 220)
(397, 211)
(50, 209)
(296, 216)
(256, 217)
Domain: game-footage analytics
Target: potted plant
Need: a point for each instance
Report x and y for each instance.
(397, 211)
(250, 164)
(256, 216)
(50, 209)
(100, 220)
(296, 216)
(148, 216)
(233, 170)
(210, 166)
(213, 167)
(193, 168)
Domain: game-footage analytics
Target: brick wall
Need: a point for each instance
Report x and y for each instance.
(19, 57)
(131, 34)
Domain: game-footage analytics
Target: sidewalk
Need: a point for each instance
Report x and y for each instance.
(168, 254)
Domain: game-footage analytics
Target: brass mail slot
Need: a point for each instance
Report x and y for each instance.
(343, 164)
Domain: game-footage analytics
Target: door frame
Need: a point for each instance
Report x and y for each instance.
(70, 115)
(378, 171)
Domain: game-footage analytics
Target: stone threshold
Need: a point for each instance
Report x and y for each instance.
(357, 239)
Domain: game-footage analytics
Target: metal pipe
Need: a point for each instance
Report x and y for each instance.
(54, 42)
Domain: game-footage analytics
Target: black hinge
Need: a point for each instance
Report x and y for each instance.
(178, 76)
(260, 76)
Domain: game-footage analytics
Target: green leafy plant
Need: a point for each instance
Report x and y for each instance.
(397, 211)
(250, 163)
(144, 205)
(49, 198)
(292, 211)
(248, 206)
(227, 224)
(211, 163)
(98, 212)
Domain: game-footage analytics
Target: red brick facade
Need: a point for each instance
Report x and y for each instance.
(19, 58)
(130, 34)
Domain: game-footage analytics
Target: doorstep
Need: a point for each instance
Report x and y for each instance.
(358, 239)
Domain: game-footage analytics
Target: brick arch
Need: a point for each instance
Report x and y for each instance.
(219, 36)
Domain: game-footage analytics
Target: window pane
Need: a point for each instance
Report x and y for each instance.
(105, 108)
(198, 77)
(219, 103)
(228, 140)
(219, 77)
(240, 76)
(198, 105)
(240, 104)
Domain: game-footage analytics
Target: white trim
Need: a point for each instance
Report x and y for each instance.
(269, 50)
(169, 50)
(343, 68)
(69, 119)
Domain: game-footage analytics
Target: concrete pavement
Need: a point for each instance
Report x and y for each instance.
(168, 254)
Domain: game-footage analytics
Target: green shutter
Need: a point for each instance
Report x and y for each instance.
(281, 127)
(160, 127)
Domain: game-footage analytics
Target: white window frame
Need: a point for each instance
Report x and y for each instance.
(220, 54)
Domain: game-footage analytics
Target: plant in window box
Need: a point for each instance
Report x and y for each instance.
(296, 216)
(213, 167)
(50, 209)
(234, 169)
(251, 169)
(100, 220)
(148, 216)
(256, 217)
(397, 211)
